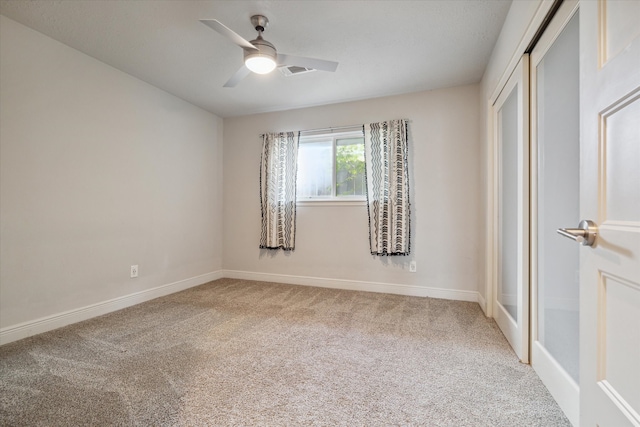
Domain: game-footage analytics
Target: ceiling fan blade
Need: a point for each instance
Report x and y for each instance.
(239, 75)
(300, 61)
(228, 32)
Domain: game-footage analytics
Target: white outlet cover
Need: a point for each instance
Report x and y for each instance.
(134, 271)
(412, 267)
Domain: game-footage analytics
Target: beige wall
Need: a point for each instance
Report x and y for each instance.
(332, 241)
(99, 171)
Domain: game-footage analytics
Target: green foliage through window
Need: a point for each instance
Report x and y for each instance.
(350, 167)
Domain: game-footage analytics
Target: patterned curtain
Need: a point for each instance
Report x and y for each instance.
(387, 175)
(278, 171)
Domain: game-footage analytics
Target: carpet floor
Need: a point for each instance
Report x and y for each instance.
(242, 353)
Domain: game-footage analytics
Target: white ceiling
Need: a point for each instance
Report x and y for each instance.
(383, 47)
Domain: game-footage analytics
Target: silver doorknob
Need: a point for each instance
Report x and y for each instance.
(585, 234)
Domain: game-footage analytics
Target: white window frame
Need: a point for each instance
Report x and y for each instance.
(332, 200)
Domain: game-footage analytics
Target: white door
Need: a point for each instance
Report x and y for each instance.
(610, 196)
(555, 202)
(511, 185)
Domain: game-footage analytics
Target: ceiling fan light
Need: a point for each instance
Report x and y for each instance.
(259, 63)
(262, 60)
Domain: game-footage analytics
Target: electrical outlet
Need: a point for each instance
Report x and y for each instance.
(134, 271)
(412, 267)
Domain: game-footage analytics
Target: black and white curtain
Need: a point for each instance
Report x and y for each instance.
(387, 175)
(278, 171)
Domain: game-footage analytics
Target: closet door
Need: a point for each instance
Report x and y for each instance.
(555, 199)
(511, 190)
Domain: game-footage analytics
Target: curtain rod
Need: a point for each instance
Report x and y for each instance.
(332, 129)
(328, 130)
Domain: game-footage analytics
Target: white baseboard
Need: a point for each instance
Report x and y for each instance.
(355, 285)
(562, 387)
(45, 324)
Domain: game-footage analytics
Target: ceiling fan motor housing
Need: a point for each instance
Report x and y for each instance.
(259, 22)
(265, 49)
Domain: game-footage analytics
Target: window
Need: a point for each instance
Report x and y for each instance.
(331, 167)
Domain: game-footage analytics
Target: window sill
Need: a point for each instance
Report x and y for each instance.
(331, 202)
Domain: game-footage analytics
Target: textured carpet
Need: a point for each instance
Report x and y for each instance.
(235, 352)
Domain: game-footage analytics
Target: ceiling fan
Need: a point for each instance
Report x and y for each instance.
(260, 56)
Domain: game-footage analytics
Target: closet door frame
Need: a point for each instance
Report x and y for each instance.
(485, 296)
(515, 330)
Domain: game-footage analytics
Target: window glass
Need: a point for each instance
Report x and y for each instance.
(331, 167)
(315, 169)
